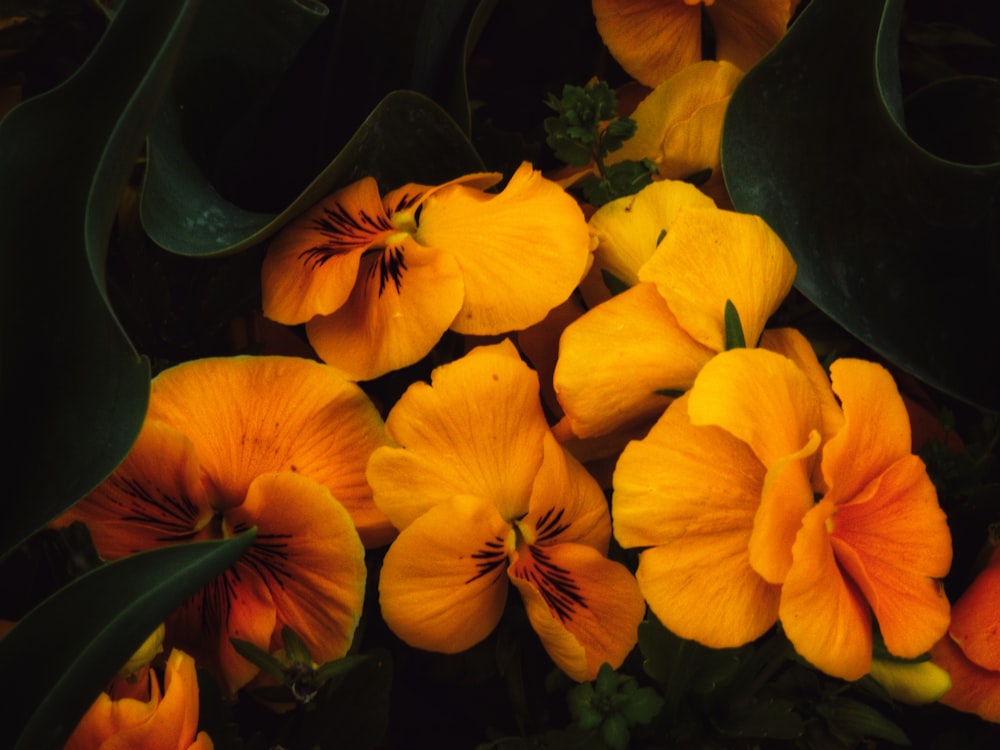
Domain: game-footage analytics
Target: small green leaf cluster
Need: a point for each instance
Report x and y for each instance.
(613, 703)
(587, 129)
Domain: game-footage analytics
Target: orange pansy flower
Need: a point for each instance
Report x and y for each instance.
(167, 720)
(690, 259)
(723, 493)
(234, 443)
(970, 652)
(654, 39)
(377, 281)
(485, 497)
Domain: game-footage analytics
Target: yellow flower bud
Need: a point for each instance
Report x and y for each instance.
(915, 683)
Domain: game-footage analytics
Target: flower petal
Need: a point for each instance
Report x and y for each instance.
(567, 504)
(746, 30)
(691, 493)
(629, 229)
(154, 497)
(711, 256)
(584, 607)
(876, 430)
(973, 689)
(405, 298)
(759, 397)
(650, 39)
(893, 541)
(633, 333)
(975, 617)
(823, 613)
(679, 125)
(522, 251)
(311, 266)
(310, 557)
(442, 586)
(477, 428)
(252, 415)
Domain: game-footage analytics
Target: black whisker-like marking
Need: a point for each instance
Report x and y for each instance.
(555, 584)
(549, 525)
(491, 557)
(343, 232)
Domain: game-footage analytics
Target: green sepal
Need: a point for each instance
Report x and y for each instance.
(256, 655)
(734, 327)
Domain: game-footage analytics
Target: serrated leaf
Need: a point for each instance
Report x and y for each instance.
(67, 648)
(73, 391)
(895, 243)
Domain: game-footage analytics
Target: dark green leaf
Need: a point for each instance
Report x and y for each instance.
(856, 720)
(895, 243)
(613, 283)
(256, 655)
(734, 327)
(74, 391)
(65, 650)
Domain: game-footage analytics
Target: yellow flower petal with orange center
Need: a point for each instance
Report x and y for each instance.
(710, 256)
(475, 429)
(689, 494)
(585, 608)
(248, 416)
(442, 586)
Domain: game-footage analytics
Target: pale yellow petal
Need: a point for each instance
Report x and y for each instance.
(711, 256)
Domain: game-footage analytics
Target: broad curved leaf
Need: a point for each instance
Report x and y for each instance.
(60, 656)
(73, 391)
(897, 244)
(407, 138)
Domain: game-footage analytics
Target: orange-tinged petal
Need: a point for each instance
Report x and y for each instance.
(311, 266)
(893, 540)
(691, 493)
(876, 430)
(679, 125)
(786, 497)
(310, 557)
(823, 613)
(759, 397)
(584, 607)
(567, 504)
(442, 586)
(629, 229)
(650, 39)
(405, 299)
(973, 689)
(154, 497)
(477, 428)
(252, 415)
(634, 333)
(792, 344)
(165, 722)
(711, 256)
(746, 30)
(975, 618)
(521, 251)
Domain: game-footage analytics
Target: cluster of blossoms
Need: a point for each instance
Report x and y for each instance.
(758, 486)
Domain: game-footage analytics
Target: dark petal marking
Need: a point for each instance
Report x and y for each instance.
(548, 525)
(492, 556)
(554, 583)
(176, 515)
(343, 232)
(405, 201)
(390, 265)
(268, 558)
